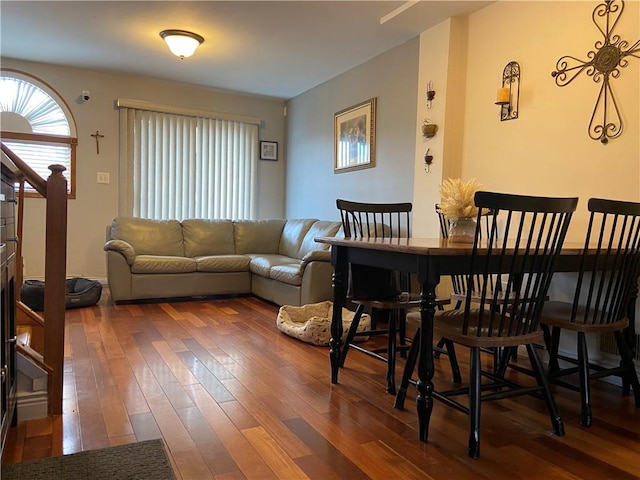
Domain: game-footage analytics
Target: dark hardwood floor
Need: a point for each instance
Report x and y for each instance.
(234, 398)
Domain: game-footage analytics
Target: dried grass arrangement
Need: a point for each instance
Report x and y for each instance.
(456, 198)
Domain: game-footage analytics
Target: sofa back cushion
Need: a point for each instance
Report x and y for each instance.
(149, 237)
(207, 237)
(257, 236)
(292, 235)
(321, 228)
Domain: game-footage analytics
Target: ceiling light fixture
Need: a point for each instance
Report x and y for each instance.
(181, 43)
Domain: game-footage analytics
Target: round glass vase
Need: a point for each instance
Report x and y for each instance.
(462, 230)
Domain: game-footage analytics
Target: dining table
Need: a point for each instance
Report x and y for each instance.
(429, 259)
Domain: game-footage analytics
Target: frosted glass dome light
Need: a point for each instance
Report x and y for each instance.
(181, 43)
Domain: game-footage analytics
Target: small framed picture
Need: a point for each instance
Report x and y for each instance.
(269, 151)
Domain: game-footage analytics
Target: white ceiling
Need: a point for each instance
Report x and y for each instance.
(277, 49)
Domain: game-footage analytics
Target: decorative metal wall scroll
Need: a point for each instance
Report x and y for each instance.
(605, 61)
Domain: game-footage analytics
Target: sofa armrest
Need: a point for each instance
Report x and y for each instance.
(316, 256)
(120, 246)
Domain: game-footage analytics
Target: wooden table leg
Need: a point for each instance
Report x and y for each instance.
(424, 402)
(340, 276)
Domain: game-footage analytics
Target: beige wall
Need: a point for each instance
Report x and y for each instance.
(547, 150)
(95, 204)
(443, 63)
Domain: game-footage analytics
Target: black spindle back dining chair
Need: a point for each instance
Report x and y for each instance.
(460, 283)
(605, 290)
(534, 231)
(381, 291)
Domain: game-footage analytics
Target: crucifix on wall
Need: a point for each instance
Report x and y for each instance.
(605, 61)
(97, 136)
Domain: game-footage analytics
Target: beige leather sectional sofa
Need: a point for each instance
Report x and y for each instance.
(277, 259)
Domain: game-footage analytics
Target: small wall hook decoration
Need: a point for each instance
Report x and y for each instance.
(431, 94)
(429, 129)
(509, 94)
(428, 160)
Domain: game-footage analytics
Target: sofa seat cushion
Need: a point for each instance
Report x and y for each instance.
(261, 264)
(291, 274)
(222, 263)
(163, 264)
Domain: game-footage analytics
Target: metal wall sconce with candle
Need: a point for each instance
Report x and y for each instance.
(509, 94)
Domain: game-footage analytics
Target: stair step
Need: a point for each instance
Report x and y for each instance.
(32, 377)
(23, 334)
(32, 405)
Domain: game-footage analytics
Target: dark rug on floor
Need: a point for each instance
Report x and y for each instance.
(141, 461)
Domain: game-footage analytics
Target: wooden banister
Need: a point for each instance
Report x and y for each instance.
(29, 174)
(55, 282)
(19, 228)
(54, 189)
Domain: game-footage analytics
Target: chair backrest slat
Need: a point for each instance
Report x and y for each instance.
(534, 229)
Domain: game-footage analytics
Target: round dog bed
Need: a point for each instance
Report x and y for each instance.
(312, 323)
(80, 292)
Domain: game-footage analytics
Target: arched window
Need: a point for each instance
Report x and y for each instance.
(37, 125)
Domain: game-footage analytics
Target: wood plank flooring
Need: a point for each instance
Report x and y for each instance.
(233, 398)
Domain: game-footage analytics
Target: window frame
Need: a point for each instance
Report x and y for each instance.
(44, 138)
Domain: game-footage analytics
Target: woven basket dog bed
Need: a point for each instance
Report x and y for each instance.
(312, 323)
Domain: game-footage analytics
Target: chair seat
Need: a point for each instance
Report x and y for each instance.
(448, 324)
(559, 314)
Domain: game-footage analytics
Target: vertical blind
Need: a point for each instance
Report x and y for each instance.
(186, 164)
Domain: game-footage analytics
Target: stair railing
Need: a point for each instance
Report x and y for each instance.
(54, 189)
